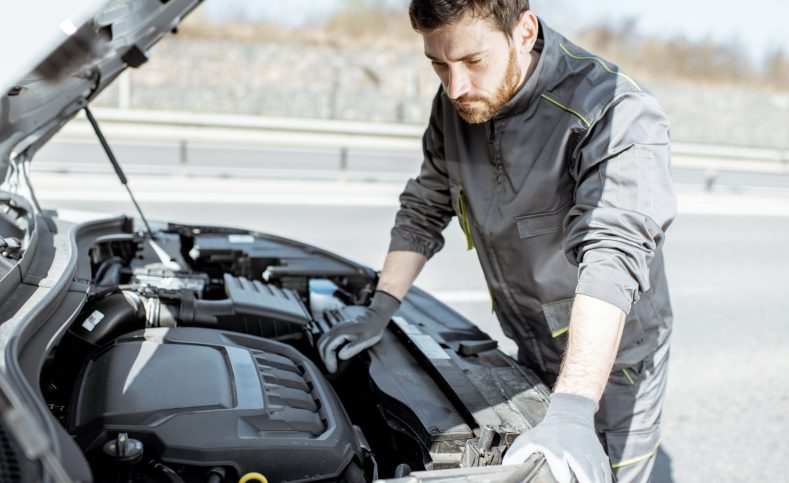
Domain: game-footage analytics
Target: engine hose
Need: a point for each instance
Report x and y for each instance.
(109, 316)
(159, 312)
(114, 312)
(110, 263)
(206, 311)
(166, 471)
(216, 475)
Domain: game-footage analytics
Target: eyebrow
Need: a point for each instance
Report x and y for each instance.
(460, 59)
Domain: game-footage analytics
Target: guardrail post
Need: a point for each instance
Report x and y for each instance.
(344, 163)
(183, 155)
(710, 177)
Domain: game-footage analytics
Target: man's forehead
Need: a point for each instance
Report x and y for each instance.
(463, 38)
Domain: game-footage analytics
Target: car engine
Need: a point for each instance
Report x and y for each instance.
(193, 359)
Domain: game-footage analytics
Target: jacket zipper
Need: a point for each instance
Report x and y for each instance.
(508, 297)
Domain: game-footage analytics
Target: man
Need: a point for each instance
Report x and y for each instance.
(557, 166)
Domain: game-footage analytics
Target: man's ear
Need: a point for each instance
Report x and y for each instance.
(526, 31)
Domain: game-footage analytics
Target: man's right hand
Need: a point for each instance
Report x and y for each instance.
(349, 338)
(567, 439)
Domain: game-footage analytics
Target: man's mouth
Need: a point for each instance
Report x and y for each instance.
(467, 104)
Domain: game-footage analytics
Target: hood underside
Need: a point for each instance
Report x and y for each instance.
(77, 70)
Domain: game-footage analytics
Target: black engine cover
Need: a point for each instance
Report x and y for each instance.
(211, 398)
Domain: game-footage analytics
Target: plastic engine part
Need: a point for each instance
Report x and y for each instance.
(207, 397)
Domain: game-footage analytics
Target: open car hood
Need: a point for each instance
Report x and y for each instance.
(82, 51)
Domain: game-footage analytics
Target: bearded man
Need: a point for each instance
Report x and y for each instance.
(557, 166)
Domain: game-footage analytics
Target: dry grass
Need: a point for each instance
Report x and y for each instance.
(649, 58)
(699, 62)
(365, 29)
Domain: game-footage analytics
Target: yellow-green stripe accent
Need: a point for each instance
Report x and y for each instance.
(635, 460)
(603, 64)
(464, 220)
(627, 375)
(559, 332)
(563, 107)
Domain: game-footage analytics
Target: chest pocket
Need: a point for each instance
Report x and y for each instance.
(460, 205)
(540, 223)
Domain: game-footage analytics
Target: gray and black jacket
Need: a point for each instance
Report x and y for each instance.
(567, 190)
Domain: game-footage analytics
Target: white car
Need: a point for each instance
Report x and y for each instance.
(137, 351)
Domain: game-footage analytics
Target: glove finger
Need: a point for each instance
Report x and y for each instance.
(607, 474)
(329, 352)
(587, 471)
(355, 347)
(521, 449)
(324, 339)
(338, 330)
(518, 452)
(602, 470)
(559, 466)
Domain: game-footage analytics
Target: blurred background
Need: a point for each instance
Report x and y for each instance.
(721, 71)
(302, 118)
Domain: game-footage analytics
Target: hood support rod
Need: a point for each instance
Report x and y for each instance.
(117, 166)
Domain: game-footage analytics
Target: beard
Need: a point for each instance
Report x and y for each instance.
(490, 106)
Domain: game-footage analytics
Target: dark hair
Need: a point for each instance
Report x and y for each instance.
(427, 15)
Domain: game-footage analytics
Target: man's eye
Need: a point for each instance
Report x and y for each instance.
(473, 61)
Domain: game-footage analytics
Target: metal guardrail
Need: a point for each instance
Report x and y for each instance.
(189, 129)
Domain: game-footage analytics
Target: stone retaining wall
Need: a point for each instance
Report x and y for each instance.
(391, 86)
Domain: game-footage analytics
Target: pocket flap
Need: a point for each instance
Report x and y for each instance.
(557, 315)
(629, 448)
(540, 223)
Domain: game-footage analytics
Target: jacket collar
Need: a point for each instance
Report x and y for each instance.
(547, 45)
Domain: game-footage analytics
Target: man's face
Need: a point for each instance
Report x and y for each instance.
(479, 67)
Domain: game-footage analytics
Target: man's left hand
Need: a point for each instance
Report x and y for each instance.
(567, 439)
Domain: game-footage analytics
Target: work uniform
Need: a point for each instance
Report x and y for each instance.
(565, 191)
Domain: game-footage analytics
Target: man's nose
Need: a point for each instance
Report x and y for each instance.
(457, 83)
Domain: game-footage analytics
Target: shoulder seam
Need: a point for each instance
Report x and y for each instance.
(566, 108)
(602, 64)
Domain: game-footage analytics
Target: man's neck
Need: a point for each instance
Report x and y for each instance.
(534, 59)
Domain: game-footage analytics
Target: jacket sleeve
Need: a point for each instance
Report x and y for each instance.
(624, 200)
(425, 204)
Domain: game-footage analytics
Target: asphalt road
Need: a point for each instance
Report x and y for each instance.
(725, 417)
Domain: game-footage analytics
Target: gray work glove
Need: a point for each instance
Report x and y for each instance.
(567, 439)
(353, 336)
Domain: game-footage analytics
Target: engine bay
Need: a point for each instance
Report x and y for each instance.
(193, 359)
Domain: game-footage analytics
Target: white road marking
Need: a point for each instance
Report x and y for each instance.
(461, 296)
(688, 203)
(51, 197)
